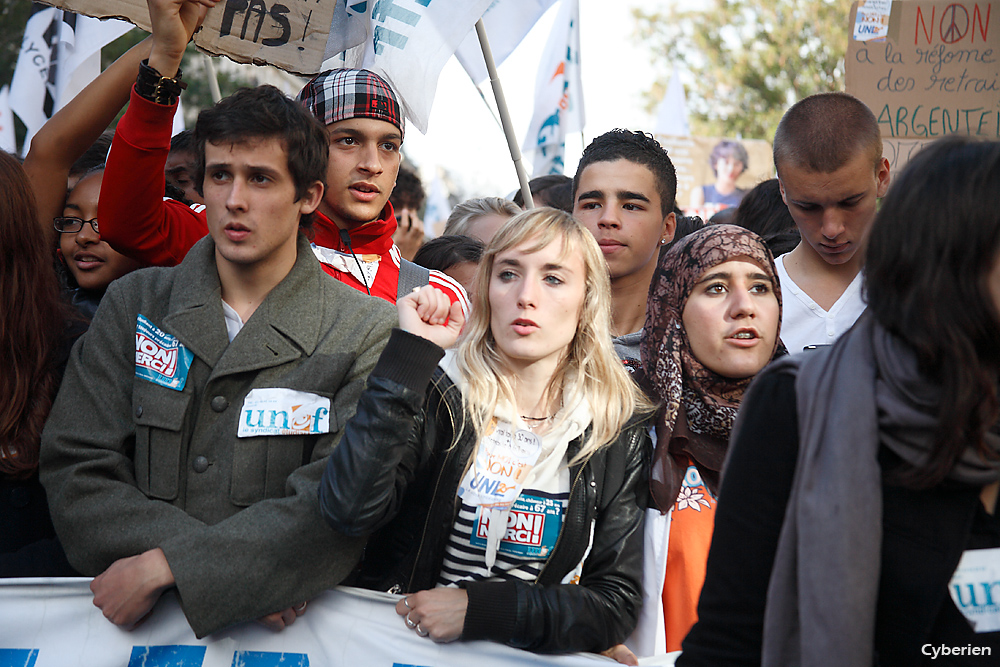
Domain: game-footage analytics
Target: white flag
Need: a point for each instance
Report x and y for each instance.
(558, 94)
(7, 140)
(438, 207)
(671, 114)
(406, 41)
(60, 54)
(507, 22)
(178, 125)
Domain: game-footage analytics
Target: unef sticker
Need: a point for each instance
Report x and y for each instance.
(159, 357)
(975, 588)
(533, 526)
(277, 411)
(503, 461)
(872, 20)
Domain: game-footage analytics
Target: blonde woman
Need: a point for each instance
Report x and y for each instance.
(504, 486)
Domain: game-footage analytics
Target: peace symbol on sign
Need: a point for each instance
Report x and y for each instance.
(953, 25)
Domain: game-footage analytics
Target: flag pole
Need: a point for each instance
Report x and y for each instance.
(508, 129)
(213, 78)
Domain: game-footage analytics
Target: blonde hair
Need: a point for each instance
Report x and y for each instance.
(590, 371)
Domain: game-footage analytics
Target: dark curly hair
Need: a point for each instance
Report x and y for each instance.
(640, 148)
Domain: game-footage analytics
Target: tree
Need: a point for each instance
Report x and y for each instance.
(749, 60)
(13, 17)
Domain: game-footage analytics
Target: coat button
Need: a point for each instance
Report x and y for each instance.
(138, 411)
(200, 464)
(219, 403)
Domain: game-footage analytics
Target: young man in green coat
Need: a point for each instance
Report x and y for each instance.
(186, 444)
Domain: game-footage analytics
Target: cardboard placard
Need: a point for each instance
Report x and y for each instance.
(935, 73)
(690, 156)
(290, 34)
(899, 151)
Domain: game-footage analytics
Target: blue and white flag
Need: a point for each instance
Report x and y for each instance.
(406, 41)
(558, 94)
(507, 23)
(60, 54)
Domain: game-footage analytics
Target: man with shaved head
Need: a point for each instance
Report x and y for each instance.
(828, 154)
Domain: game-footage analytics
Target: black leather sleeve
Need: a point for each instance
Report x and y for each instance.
(602, 609)
(381, 450)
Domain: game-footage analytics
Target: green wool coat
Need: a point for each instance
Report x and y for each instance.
(130, 465)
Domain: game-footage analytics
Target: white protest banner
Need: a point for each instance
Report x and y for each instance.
(60, 54)
(507, 22)
(53, 623)
(290, 34)
(408, 42)
(558, 94)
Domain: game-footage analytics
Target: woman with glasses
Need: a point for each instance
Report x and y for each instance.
(91, 263)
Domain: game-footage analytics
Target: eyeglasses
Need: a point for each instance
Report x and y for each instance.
(73, 225)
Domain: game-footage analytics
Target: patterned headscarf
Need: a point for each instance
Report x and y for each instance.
(341, 94)
(675, 376)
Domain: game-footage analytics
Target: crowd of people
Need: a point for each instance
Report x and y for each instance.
(593, 425)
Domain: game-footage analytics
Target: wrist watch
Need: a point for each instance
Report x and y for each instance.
(157, 88)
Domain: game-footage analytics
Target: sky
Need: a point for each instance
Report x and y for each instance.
(464, 138)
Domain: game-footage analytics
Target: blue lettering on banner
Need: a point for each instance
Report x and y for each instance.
(269, 659)
(160, 357)
(18, 657)
(167, 656)
(399, 664)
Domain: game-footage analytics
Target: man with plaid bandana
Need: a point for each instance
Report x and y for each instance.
(353, 227)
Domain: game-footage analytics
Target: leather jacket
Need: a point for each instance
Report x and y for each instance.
(395, 476)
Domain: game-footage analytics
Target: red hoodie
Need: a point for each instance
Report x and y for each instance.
(138, 221)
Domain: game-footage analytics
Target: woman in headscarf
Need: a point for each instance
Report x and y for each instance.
(857, 520)
(712, 323)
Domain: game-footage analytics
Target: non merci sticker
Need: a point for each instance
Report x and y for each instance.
(160, 357)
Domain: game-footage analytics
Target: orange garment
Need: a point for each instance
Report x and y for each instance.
(691, 524)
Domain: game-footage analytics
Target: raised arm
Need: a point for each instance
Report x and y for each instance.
(135, 219)
(74, 128)
(367, 475)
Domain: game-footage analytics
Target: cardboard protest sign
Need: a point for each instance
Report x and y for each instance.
(690, 156)
(290, 34)
(935, 72)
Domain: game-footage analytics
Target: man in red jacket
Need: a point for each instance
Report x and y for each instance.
(354, 224)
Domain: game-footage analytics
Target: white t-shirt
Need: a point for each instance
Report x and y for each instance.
(804, 322)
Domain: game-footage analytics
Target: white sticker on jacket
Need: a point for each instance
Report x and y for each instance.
(277, 411)
(503, 460)
(975, 588)
(160, 357)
